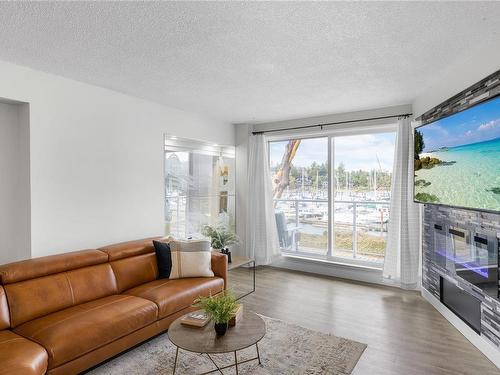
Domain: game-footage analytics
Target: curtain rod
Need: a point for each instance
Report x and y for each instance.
(404, 115)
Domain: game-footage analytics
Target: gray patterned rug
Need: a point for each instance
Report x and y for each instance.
(286, 349)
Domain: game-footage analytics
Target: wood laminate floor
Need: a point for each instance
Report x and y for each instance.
(404, 333)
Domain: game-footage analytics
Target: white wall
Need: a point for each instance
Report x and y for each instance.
(96, 159)
(473, 68)
(14, 183)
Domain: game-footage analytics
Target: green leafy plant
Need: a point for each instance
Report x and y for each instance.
(220, 237)
(220, 308)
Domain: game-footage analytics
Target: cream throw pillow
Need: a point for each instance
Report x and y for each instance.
(190, 258)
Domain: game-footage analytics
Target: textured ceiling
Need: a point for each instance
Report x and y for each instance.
(248, 62)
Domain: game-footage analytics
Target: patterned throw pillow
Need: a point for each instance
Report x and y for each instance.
(190, 258)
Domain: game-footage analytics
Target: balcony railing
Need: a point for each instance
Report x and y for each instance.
(352, 229)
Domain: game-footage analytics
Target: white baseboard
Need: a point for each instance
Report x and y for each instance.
(365, 274)
(483, 345)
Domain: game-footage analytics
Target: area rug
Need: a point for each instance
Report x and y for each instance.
(285, 349)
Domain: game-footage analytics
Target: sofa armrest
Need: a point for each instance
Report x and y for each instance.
(219, 266)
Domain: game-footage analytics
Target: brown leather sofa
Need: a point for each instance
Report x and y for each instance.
(65, 313)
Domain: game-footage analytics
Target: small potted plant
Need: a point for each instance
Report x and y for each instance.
(220, 309)
(221, 238)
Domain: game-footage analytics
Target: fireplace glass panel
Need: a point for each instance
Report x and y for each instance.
(460, 245)
(440, 253)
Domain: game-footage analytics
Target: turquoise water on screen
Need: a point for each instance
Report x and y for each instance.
(470, 181)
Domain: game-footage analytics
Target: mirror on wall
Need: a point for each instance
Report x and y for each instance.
(199, 186)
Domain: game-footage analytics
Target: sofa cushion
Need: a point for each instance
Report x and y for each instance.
(133, 262)
(75, 331)
(49, 265)
(174, 295)
(31, 299)
(190, 258)
(21, 356)
(163, 259)
(34, 298)
(131, 248)
(134, 271)
(90, 283)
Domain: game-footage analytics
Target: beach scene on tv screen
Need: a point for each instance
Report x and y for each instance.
(457, 159)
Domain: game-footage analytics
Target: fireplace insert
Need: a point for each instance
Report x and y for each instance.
(470, 254)
(476, 258)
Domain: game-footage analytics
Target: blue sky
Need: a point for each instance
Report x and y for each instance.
(477, 124)
(355, 152)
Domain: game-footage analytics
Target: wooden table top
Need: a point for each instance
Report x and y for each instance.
(250, 330)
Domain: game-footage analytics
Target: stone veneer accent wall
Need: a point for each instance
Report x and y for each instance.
(431, 272)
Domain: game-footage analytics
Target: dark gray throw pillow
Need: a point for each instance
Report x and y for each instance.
(163, 259)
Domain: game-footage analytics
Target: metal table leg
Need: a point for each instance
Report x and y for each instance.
(253, 276)
(215, 364)
(258, 354)
(235, 364)
(175, 362)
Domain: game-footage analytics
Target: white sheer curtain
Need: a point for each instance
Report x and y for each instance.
(401, 266)
(262, 236)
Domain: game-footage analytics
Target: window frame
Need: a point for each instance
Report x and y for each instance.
(357, 129)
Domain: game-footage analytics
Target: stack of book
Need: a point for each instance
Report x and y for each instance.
(200, 318)
(196, 319)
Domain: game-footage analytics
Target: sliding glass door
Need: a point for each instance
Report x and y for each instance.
(299, 169)
(332, 194)
(362, 192)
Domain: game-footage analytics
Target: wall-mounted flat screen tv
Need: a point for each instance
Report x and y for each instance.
(457, 159)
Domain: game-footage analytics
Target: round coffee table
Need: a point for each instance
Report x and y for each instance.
(247, 332)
